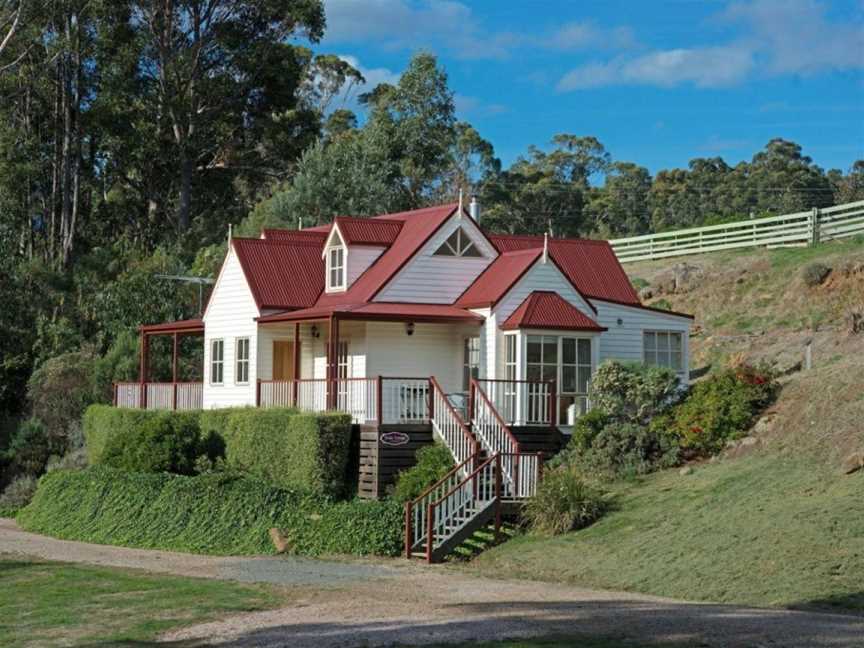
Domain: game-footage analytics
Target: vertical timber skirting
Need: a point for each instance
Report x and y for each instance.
(379, 463)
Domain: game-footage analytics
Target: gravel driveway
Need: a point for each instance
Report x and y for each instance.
(369, 603)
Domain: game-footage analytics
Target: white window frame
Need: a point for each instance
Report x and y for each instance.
(217, 364)
(464, 244)
(669, 333)
(241, 364)
(340, 252)
(471, 347)
(580, 398)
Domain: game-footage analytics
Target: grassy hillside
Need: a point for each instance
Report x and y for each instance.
(774, 522)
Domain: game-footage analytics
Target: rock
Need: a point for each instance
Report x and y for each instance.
(748, 441)
(763, 425)
(855, 322)
(686, 470)
(852, 463)
(685, 275)
(646, 293)
(279, 540)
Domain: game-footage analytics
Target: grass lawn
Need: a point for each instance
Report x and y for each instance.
(762, 530)
(60, 604)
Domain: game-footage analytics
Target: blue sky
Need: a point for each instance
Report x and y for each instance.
(659, 82)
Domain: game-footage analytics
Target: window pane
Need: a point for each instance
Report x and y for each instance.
(534, 372)
(585, 352)
(662, 342)
(568, 350)
(471, 251)
(677, 361)
(675, 341)
(650, 342)
(550, 372)
(550, 350)
(534, 348)
(511, 349)
(444, 250)
(650, 357)
(568, 379)
(584, 379)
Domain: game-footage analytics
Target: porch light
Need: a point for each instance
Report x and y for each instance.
(409, 328)
(620, 322)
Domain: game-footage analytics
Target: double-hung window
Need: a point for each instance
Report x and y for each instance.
(217, 361)
(664, 349)
(470, 361)
(336, 269)
(241, 373)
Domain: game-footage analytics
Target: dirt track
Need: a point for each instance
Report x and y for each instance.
(351, 604)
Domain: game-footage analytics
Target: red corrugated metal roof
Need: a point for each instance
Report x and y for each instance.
(180, 326)
(548, 310)
(368, 231)
(380, 311)
(295, 236)
(417, 227)
(499, 276)
(281, 274)
(591, 265)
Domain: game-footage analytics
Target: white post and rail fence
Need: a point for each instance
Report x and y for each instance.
(800, 229)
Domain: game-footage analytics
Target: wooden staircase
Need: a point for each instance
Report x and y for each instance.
(493, 471)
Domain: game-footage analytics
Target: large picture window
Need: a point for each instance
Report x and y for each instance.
(241, 373)
(664, 349)
(567, 361)
(217, 361)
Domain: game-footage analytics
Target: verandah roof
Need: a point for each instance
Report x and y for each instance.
(167, 328)
(378, 311)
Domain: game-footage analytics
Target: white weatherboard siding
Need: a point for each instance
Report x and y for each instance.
(625, 341)
(541, 276)
(433, 350)
(230, 314)
(433, 279)
(360, 257)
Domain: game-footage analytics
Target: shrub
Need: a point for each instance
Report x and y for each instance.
(210, 514)
(585, 430)
(662, 304)
(286, 448)
(165, 442)
(564, 501)
(75, 460)
(18, 493)
(721, 408)
(31, 447)
(815, 274)
(632, 392)
(100, 422)
(624, 449)
(61, 389)
(433, 462)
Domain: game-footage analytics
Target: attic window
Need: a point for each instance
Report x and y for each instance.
(458, 244)
(336, 269)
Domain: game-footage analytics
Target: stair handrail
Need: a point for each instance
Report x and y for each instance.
(462, 444)
(416, 509)
(455, 499)
(503, 442)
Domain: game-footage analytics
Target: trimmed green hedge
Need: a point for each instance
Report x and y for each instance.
(6, 512)
(287, 448)
(209, 514)
(281, 446)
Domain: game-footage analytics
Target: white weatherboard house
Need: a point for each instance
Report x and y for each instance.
(419, 318)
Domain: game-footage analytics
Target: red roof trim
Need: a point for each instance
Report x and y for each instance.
(180, 326)
(545, 309)
(643, 307)
(506, 289)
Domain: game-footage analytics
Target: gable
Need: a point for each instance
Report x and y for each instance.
(452, 274)
(231, 297)
(540, 277)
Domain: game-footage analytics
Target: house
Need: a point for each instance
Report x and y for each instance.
(419, 323)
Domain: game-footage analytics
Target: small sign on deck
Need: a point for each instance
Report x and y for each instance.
(394, 438)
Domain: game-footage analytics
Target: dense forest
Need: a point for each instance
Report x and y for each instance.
(132, 133)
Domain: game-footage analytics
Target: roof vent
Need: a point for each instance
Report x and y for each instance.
(474, 209)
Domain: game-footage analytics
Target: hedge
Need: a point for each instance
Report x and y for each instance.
(215, 514)
(286, 448)
(281, 446)
(8, 512)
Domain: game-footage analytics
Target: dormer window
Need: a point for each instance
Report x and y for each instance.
(458, 244)
(336, 264)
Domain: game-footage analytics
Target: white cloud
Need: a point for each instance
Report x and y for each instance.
(781, 37)
(468, 105)
(401, 24)
(704, 67)
(585, 35)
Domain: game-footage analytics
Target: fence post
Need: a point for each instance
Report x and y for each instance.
(174, 398)
(380, 400)
(430, 531)
(498, 497)
(431, 401)
(409, 536)
(814, 226)
(258, 393)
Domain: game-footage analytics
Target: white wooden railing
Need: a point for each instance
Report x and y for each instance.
(448, 424)
(521, 402)
(154, 396)
(404, 400)
(798, 229)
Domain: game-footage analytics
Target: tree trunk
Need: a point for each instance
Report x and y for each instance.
(185, 203)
